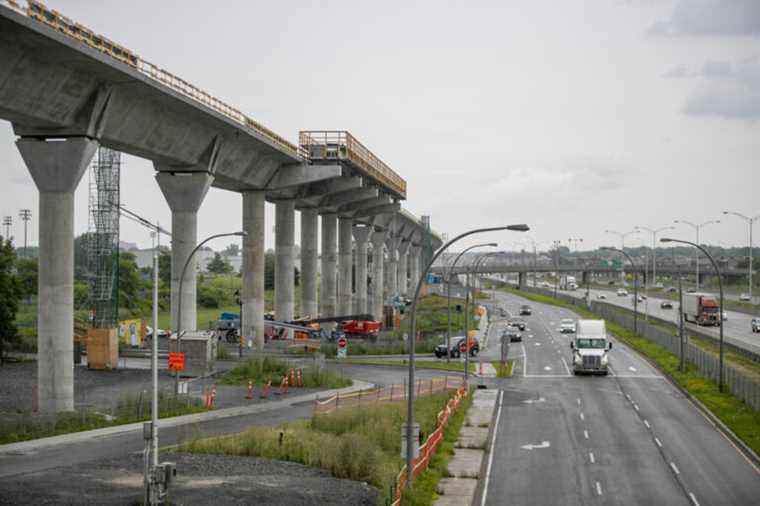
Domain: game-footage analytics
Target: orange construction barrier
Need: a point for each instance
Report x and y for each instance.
(292, 377)
(300, 378)
(284, 385)
(250, 390)
(212, 397)
(265, 392)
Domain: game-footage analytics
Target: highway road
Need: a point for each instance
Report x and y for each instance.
(628, 438)
(737, 325)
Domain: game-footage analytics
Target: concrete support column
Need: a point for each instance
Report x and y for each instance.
(309, 254)
(327, 296)
(184, 192)
(345, 265)
(284, 244)
(522, 280)
(361, 236)
(403, 267)
(252, 270)
(378, 283)
(56, 167)
(392, 268)
(414, 268)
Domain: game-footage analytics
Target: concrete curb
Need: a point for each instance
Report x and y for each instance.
(89, 435)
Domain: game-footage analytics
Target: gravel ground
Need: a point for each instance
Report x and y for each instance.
(98, 389)
(201, 480)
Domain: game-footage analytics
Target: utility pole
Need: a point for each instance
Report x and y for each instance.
(25, 215)
(750, 222)
(696, 228)
(7, 222)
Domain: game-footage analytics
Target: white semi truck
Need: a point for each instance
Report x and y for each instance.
(590, 348)
(567, 283)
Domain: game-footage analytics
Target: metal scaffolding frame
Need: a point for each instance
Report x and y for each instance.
(103, 237)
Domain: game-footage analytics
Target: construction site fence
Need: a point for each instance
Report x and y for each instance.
(742, 386)
(388, 393)
(430, 446)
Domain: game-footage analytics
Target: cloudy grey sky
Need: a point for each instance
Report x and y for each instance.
(573, 116)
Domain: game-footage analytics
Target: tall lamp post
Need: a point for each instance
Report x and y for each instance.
(720, 286)
(471, 270)
(179, 297)
(750, 222)
(413, 332)
(654, 233)
(448, 291)
(697, 227)
(622, 236)
(635, 285)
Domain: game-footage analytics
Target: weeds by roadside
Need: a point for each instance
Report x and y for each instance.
(261, 370)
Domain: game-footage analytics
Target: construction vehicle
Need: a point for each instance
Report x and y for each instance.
(567, 283)
(361, 328)
(701, 308)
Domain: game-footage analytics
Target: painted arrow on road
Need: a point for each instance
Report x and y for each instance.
(531, 401)
(544, 444)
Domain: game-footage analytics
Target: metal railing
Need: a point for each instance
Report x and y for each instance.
(39, 12)
(320, 145)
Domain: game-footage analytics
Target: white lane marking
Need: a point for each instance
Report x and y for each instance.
(491, 452)
(636, 406)
(582, 417)
(578, 400)
(537, 343)
(531, 446)
(598, 488)
(632, 369)
(547, 368)
(693, 499)
(532, 401)
(585, 434)
(545, 376)
(525, 360)
(565, 364)
(675, 469)
(591, 457)
(647, 424)
(530, 335)
(628, 396)
(658, 442)
(611, 371)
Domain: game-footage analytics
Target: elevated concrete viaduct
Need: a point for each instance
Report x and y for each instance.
(67, 92)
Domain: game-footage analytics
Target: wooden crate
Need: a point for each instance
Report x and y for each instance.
(102, 349)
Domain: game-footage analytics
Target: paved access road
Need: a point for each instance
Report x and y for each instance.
(628, 438)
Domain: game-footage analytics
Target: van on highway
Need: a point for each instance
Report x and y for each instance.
(590, 347)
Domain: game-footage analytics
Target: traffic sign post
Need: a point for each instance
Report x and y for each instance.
(342, 347)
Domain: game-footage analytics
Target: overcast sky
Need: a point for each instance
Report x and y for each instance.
(571, 116)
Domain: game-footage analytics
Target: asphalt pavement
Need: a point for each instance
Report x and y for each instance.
(627, 438)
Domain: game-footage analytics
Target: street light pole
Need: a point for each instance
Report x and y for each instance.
(635, 285)
(448, 293)
(750, 222)
(697, 228)
(720, 310)
(472, 270)
(413, 333)
(179, 297)
(622, 236)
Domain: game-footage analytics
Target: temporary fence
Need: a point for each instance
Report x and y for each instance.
(741, 385)
(429, 447)
(388, 393)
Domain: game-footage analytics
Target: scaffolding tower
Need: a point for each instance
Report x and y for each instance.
(103, 237)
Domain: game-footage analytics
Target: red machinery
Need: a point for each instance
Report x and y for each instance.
(361, 328)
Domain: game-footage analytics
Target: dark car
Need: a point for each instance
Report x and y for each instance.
(666, 304)
(525, 310)
(520, 324)
(512, 335)
(457, 348)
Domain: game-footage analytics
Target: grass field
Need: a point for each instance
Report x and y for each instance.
(441, 365)
(259, 371)
(360, 443)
